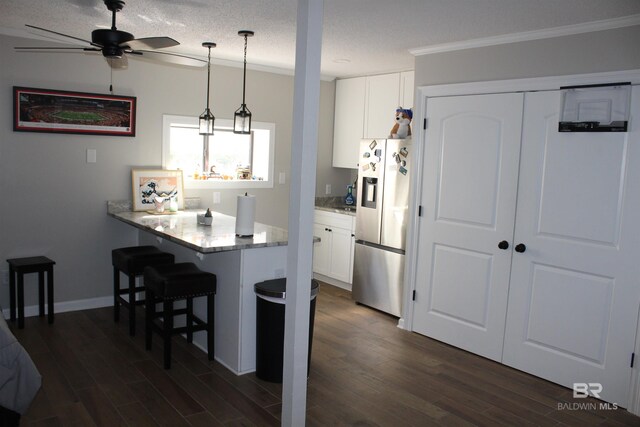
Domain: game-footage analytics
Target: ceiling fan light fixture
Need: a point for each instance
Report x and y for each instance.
(206, 118)
(242, 116)
(116, 44)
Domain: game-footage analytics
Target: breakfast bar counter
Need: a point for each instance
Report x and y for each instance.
(182, 228)
(238, 263)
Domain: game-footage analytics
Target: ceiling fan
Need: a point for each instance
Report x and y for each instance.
(116, 44)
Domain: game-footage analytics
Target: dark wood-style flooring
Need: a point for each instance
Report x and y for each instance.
(364, 372)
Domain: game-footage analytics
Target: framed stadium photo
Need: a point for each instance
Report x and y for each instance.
(151, 187)
(56, 111)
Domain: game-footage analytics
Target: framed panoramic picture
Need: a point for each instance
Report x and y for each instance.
(149, 184)
(56, 111)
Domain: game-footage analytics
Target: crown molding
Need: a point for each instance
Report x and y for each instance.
(567, 30)
(529, 84)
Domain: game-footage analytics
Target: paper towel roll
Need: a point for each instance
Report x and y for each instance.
(245, 215)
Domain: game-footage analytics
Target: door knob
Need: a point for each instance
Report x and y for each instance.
(504, 245)
(520, 247)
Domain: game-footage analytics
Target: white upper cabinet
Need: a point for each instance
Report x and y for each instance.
(383, 97)
(365, 108)
(406, 89)
(348, 125)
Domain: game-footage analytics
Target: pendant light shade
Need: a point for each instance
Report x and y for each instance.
(207, 118)
(242, 116)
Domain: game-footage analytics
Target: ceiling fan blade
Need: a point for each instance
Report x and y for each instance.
(151, 43)
(64, 35)
(172, 58)
(53, 48)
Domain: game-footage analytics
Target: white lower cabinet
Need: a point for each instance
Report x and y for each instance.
(322, 249)
(333, 255)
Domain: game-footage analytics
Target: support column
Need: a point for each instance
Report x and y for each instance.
(304, 143)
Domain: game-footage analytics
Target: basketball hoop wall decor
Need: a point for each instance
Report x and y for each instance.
(57, 111)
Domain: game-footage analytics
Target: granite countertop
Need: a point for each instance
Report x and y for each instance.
(335, 204)
(183, 229)
(346, 210)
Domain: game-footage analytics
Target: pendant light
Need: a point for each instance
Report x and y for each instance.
(242, 116)
(206, 118)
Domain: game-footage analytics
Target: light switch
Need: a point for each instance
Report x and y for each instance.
(216, 197)
(91, 155)
(327, 189)
(281, 178)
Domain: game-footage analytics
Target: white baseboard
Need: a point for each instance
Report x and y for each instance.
(204, 350)
(332, 281)
(62, 307)
(401, 323)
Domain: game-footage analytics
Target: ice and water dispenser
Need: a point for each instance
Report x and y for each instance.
(368, 192)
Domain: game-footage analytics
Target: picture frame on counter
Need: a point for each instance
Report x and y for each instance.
(58, 111)
(148, 184)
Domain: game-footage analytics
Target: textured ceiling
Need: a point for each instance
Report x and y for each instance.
(360, 36)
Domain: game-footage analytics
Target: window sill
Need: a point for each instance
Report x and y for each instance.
(222, 184)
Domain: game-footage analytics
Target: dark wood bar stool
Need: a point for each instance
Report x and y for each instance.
(132, 261)
(169, 283)
(22, 266)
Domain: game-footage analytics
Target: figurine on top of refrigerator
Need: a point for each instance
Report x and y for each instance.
(402, 128)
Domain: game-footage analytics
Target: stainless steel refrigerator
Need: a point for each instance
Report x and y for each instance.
(381, 221)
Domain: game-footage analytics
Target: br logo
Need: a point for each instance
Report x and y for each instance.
(582, 390)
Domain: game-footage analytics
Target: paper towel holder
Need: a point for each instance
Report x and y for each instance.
(245, 219)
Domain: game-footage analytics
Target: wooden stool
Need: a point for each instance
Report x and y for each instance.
(132, 261)
(22, 266)
(169, 283)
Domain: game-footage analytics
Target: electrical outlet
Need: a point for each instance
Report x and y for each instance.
(282, 178)
(216, 197)
(91, 155)
(327, 189)
(5, 277)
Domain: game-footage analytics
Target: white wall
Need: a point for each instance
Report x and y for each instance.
(54, 203)
(609, 50)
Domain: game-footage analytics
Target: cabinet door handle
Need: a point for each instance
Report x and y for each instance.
(504, 245)
(520, 247)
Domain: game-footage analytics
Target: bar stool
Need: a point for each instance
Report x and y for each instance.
(169, 283)
(22, 266)
(132, 261)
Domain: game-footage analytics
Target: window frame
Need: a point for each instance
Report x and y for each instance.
(169, 119)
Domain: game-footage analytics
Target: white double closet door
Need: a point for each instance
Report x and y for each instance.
(561, 300)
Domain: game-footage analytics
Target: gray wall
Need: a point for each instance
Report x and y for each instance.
(54, 202)
(610, 50)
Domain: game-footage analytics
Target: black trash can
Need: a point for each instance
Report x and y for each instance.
(270, 306)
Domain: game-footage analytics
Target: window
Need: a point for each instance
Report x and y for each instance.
(221, 160)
